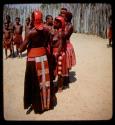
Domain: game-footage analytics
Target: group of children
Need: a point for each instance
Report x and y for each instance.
(12, 36)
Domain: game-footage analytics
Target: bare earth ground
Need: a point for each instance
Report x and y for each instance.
(89, 96)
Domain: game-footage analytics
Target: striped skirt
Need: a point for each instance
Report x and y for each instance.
(37, 84)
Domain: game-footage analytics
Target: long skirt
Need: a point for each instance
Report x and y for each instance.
(37, 84)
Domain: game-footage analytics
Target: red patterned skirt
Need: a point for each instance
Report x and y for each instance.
(37, 81)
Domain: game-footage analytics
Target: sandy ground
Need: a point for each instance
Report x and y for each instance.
(89, 96)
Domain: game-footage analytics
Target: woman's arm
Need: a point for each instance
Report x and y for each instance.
(23, 46)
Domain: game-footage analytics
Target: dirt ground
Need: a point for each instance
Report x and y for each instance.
(89, 96)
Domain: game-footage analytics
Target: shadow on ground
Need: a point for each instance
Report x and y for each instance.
(72, 76)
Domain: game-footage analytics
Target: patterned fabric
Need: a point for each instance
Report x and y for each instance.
(61, 67)
(44, 79)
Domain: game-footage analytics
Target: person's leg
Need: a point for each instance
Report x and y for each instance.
(17, 50)
(20, 55)
(6, 53)
(68, 79)
(60, 83)
(13, 51)
(29, 109)
(110, 40)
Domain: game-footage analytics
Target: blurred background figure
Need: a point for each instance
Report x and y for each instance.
(17, 28)
(109, 31)
(7, 39)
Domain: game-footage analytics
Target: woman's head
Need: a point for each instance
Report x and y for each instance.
(37, 18)
(59, 22)
(68, 16)
(27, 20)
(49, 20)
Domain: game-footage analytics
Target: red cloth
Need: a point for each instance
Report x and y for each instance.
(37, 20)
(110, 33)
(33, 52)
(44, 84)
(62, 21)
(64, 71)
(70, 56)
(18, 40)
(7, 43)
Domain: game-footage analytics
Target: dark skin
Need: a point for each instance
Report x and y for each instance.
(37, 38)
(51, 60)
(6, 32)
(7, 37)
(68, 28)
(33, 36)
(7, 18)
(49, 21)
(18, 28)
(11, 30)
(68, 33)
(58, 42)
(63, 11)
(27, 26)
(110, 38)
(49, 24)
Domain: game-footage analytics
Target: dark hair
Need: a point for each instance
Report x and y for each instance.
(17, 18)
(64, 8)
(59, 22)
(6, 23)
(8, 16)
(32, 15)
(47, 17)
(69, 16)
(28, 18)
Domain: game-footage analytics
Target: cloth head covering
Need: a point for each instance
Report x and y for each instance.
(62, 21)
(38, 20)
